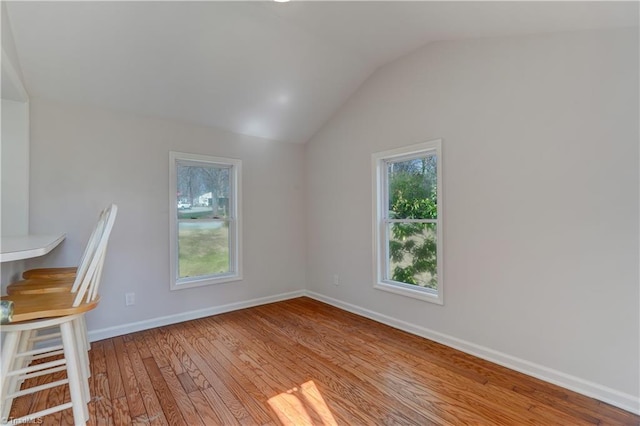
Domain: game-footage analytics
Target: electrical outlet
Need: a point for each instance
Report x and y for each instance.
(336, 279)
(129, 299)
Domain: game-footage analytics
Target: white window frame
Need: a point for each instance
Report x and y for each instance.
(235, 220)
(381, 219)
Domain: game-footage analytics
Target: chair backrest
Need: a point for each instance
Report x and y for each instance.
(90, 271)
(89, 250)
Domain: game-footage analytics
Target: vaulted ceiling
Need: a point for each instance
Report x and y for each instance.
(272, 70)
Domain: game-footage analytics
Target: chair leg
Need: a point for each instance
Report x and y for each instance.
(9, 352)
(74, 373)
(83, 356)
(84, 334)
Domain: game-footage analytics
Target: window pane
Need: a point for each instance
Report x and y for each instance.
(412, 188)
(203, 192)
(203, 248)
(203, 240)
(412, 254)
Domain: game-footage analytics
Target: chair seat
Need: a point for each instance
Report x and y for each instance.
(40, 286)
(50, 273)
(28, 307)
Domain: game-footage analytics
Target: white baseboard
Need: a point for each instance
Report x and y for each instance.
(594, 390)
(119, 330)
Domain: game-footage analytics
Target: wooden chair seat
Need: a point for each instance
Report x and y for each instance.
(50, 273)
(71, 272)
(28, 307)
(40, 286)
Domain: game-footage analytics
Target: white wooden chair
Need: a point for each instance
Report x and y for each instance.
(34, 312)
(64, 282)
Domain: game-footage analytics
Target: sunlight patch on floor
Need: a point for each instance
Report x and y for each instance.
(302, 405)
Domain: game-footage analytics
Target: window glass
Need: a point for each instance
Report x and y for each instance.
(203, 226)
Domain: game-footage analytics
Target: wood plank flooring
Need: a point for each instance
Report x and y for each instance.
(302, 362)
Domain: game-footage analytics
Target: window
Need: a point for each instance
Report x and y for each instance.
(408, 221)
(204, 210)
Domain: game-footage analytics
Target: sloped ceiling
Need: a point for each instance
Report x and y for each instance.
(272, 70)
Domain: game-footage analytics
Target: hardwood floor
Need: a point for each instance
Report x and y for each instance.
(304, 362)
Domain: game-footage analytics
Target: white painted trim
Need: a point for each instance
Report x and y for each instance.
(594, 390)
(119, 330)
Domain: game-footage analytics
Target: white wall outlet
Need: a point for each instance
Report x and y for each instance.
(129, 299)
(336, 279)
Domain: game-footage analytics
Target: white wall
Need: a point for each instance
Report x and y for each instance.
(8, 44)
(14, 179)
(82, 159)
(540, 141)
(14, 150)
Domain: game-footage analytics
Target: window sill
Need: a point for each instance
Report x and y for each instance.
(408, 292)
(204, 282)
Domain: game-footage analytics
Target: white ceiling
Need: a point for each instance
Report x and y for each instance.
(273, 70)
